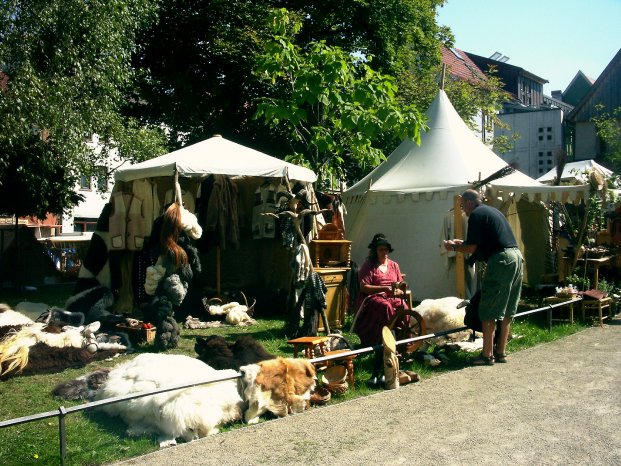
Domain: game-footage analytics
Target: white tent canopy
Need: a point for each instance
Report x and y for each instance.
(217, 156)
(409, 197)
(575, 172)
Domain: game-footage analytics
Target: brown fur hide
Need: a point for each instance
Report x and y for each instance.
(44, 359)
(287, 379)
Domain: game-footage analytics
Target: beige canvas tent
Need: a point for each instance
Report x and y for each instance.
(409, 197)
(261, 263)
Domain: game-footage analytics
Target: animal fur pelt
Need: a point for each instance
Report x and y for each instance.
(15, 349)
(442, 314)
(44, 359)
(189, 414)
(10, 317)
(220, 354)
(62, 317)
(280, 386)
(95, 303)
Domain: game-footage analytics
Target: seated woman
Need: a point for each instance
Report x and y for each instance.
(377, 301)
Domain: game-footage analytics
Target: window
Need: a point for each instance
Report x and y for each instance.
(540, 154)
(85, 183)
(541, 162)
(541, 171)
(541, 130)
(550, 162)
(549, 154)
(102, 179)
(541, 137)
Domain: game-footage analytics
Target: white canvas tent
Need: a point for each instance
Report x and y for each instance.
(215, 156)
(409, 197)
(575, 172)
(262, 262)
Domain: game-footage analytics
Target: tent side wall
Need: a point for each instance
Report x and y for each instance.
(413, 223)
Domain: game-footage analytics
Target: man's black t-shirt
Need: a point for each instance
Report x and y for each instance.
(490, 231)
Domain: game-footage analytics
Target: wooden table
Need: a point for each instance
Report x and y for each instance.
(309, 344)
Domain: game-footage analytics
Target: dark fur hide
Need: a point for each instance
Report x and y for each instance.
(44, 359)
(82, 388)
(219, 354)
(4, 331)
(95, 304)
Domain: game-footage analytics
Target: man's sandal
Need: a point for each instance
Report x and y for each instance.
(482, 361)
(500, 357)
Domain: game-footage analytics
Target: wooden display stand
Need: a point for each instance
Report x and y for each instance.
(330, 253)
(331, 260)
(336, 281)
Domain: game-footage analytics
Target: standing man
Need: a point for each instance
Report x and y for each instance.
(491, 240)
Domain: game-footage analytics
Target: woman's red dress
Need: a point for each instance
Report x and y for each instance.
(377, 309)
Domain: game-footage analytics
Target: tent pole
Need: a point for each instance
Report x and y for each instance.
(460, 266)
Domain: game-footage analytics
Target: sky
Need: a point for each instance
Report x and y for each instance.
(553, 39)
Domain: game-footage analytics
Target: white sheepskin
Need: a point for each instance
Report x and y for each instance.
(9, 317)
(442, 314)
(236, 314)
(189, 413)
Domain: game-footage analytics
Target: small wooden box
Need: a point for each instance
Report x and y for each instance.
(138, 334)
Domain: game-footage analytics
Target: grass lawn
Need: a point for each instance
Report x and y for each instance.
(95, 438)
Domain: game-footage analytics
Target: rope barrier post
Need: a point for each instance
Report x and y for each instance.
(549, 318)
(62, 412)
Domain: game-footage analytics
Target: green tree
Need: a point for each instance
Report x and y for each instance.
(201, 57)
(608, 128)
(67, 75)
(330, 105)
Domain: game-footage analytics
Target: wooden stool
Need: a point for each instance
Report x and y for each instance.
(309, 343)
(348, 360)
(600, 305)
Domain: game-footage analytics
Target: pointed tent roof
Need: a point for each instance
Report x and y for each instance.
(217, 156)
(450, 155)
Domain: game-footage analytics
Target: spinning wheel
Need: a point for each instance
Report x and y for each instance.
(407, 323)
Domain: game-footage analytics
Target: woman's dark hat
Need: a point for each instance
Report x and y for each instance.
(380, 240)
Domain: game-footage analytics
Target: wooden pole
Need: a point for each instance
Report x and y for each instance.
(460, 265)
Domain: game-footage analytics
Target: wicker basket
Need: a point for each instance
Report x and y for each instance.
(138, 334)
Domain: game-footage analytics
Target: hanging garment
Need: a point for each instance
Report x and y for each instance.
(186, 197)
(147, 191)
(127, 223)
(221, 213)
(264, 226)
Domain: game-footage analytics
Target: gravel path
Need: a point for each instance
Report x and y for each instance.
(558, 403)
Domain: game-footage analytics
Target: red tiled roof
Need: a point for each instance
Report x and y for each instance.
(461, 68)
